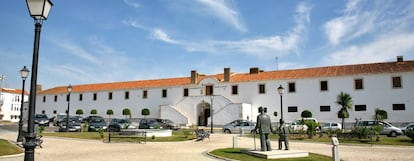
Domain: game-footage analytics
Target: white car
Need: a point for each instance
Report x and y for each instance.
(297, 125)
(331, 126)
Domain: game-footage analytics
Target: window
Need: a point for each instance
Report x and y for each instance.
(396, 82)
(80, 97)
(44, 98)
(292, 87)
(234, 89)
(95, 95)
(292, 109)
(262, 89)
(359, 84)
(185, 92)
(209, 90)
(127, 95)
(325, 108)
(145, 94)
(396, 107)
(324, 85)
(360, 107)
(110, 96)
(55, 98)
(164, 93)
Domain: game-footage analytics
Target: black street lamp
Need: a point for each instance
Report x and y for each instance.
(281, 90)
(39, 10)
(67, 112)
(24, 73)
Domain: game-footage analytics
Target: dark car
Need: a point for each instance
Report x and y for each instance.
(96, 124)
(89, 118)
(74, 125)
(117, 124)
(41, 120)
(168, 124)
(149, 124)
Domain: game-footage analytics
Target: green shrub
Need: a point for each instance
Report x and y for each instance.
(306, 114)
(410, 133)
(126, 126)
(40, 129)
(85, 126)
(101, 133)
(312, 127)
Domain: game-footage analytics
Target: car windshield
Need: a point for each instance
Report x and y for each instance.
(97, 120)
(123, 121)
(41, 116)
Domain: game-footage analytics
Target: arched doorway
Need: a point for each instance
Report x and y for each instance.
(203, 109)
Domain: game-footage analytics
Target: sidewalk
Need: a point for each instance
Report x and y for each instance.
(86, 150)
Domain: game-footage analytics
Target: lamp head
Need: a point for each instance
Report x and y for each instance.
(280, 90)
(39, 9)
(24, 73)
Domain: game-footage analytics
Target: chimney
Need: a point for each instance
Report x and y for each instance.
(400, 58)
(194, 76)
(227, 75)
(254, 70)
(38, 87)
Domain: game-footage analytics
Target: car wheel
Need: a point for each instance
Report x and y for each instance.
(393, 134)
(227, 131)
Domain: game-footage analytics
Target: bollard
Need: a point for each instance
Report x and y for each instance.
(234, 142)
(241, 132)
(335, 150)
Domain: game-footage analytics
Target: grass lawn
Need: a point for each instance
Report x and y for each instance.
(237, 154)
(7, 148)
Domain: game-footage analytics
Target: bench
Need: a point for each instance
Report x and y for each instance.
(201, 134)
(138, 135)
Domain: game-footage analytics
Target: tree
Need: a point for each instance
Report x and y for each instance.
(312, 127)
(94, 112)
(145, 112)
(306, 114)
(109, 112)
(126, 112)
(345, 101)
(79, 112)
(380, 115)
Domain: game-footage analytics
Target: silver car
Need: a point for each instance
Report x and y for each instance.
(236, 127)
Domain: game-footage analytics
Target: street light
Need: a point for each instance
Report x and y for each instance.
(281, 90)
(67, 112)
(24, 73)
(211, 113)
(39, 10)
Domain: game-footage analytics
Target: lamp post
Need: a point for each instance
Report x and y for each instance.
(211, 113)
(24, 73)
(281, 90)
(39, 10)
(67, 112)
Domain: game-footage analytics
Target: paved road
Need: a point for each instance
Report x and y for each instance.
(55, 149)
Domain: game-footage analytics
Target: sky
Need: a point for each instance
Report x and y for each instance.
(98, 41)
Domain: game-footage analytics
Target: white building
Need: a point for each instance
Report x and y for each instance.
(188, 100)
(10, 103)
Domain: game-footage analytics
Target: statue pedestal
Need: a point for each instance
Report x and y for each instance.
(276, 154)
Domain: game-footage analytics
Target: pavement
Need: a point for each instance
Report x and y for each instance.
(55, 149)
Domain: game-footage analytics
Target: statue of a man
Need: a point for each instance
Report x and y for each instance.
(283, 135)
(265, 128)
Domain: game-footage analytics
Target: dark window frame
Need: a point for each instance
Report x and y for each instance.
(291, 87)
(95, 96)
(80, 96)
(360, 107)
(398, 107)
(262, 88)
(359, 84)
(325, 108)
(292, 109)
(396, 82)
(164, 93)
(324, 85)
(185, 92)
(126, 95)
(145, 94)
(234, 89)
(110, 95)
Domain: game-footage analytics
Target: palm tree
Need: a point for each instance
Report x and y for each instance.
(345, 101)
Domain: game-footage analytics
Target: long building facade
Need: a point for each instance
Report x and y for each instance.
(10, 104)
(228, 96)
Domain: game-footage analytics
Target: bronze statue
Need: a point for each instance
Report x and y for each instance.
(265, 128)
(283, 135)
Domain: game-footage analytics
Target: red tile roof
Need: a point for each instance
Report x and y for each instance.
(15, 91)
(329, 71)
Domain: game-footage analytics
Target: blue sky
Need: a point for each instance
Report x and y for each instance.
(95, 41)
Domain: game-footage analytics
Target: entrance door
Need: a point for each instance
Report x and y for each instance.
(204, 113)
(209, 90)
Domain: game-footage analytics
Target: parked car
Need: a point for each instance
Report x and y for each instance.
(405, 126)
(89, 118)
(388, 129)
(41, 120)
(168, 124)
(117, 124)
(298, 125)
(58, 119)
(236, 126)
(96, 124)
(74, 125)
(331, 126)
(149, 123)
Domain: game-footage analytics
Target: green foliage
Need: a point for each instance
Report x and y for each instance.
(345, 101)
(85, 126)
(40, 129)
(153, 137)
(145, 112)
(109, 112)
(410, 133)
(380, 114)
(126, 126)
(312, 127)
(306, 114)
(7, 148)
(101, 133)
(94, 112)
(126, 112)
(79, 112)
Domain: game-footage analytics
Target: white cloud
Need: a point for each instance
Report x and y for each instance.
(223, 11)
(132, 3)
(76, 50)
(383, 49)
(159, 34)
